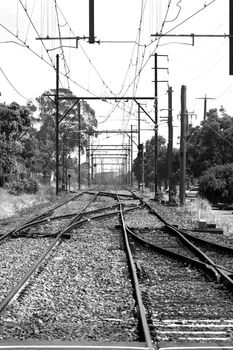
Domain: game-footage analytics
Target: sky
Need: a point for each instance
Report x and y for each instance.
(121, 64)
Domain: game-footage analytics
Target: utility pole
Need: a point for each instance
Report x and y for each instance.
(170, 142)
(88, 163)
(143, 170)
(205, 104)
(79, 147)
(231, 37)
(57, 124)
(91, 22)
(92, 168)
(156, 152)
(131, 157)
(156, 126)
(183, 117)
(139, 147)
(129, 163)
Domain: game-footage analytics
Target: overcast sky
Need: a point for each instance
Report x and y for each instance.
(118, 69)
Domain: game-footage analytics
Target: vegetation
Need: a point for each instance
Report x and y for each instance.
(15, 122)
(216, 184)
(149, 160)
(28, 144)
(68, 128)
(210, 144)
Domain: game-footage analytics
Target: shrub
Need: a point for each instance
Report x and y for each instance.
(22, 185)
(216, 184)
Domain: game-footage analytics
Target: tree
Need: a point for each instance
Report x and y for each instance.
(15, 121)
(211, 143)
(69, 132)
(216, 184)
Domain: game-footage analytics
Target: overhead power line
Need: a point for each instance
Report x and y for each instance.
(13, 85)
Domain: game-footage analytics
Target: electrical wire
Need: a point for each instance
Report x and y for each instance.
(48, 63)
(231, 144)
(29, 24)
(153, 41)
(17, 91)
(66, 68)
(90, 61)
(178, 13)
(25, 9)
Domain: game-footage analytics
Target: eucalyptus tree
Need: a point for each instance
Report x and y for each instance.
(211, 143)
(73, 131)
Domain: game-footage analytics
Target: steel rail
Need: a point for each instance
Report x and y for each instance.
(110, 194)
(141, 308)
(207, 242)
(219, 271)
(28, 274)
(73, 224)
(34, 220)
(82, 214)
(165, 251)
(61, 217)
(105, 215)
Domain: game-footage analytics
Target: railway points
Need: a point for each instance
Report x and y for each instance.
(84, 291)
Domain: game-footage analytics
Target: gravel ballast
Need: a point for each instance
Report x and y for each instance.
(82, 292)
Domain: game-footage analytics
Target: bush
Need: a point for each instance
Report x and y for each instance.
(22, 186)
(216, 184)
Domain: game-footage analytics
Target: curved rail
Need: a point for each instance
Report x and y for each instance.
(220, 272)
(34, 221)
(141, 308)
(74, 223)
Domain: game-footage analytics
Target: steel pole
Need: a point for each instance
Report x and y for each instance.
(57, 124)
(183, 117)
(79, 147)
(156, 127)
(170, 142)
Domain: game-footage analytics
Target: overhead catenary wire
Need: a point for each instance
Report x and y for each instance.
(158, 39)
(17, 91)
(66, 68)
(216, 132)
(25, 9)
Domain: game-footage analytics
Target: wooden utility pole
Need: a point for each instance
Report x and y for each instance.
(170, 142)
(183, 121)
(57, 124)
(205, 104)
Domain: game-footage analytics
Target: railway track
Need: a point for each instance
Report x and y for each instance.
(84, 274)
(136, 285)
(189, 290)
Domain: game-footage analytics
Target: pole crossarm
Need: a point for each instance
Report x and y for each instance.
(68, 111)
(192, 35)
(114, 155)
(101, 98)
(140, 106)
(131, 138)
(113, 158)
(93, 152)
(115, 131)
(114, 163)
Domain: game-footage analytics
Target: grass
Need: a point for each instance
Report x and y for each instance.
(11, 205)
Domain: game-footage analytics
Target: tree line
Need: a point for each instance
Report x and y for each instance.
(209, 157)
(27, 144)
(27, 137)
